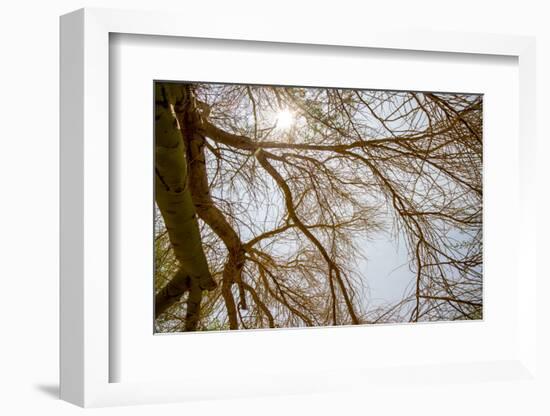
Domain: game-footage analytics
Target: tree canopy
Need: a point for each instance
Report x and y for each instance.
(264, 195)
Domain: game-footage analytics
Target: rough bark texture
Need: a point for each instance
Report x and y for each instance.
(173, 197)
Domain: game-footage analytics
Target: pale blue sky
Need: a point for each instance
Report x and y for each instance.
(386, 269)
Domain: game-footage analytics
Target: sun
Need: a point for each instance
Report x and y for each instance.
(284, 119)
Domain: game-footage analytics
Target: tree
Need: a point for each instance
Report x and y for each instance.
(283, 180)
(175, 202)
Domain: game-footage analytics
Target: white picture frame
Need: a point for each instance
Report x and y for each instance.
(85, 302)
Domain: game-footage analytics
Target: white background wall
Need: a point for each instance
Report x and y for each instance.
(29, 191)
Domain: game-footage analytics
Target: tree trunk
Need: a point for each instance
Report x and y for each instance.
(174, 200)
(189, 118)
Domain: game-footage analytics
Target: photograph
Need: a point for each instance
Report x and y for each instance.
(239, 208)
(298, 206)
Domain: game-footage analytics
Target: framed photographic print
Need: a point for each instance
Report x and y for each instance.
(288, 212)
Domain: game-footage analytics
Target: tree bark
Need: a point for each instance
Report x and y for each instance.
(175, 203)
(190, 121)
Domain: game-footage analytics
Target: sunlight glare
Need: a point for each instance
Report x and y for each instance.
(285, 118)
